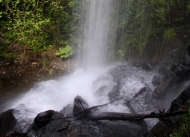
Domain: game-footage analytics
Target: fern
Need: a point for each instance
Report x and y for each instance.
(65, 52)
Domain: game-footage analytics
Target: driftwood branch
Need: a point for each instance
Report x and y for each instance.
(130, 116)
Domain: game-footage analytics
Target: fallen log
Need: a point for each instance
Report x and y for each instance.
(131, 116)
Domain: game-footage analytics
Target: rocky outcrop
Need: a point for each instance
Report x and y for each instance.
(51, 123)
(7, 122)
(178, 73)
(168, 125)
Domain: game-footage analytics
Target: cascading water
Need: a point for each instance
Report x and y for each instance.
(96, 34)
(56, 94)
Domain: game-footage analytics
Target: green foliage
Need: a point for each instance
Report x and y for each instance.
(6, 53)
(188, 7)
(121, 53)
(169, 33)
(37, 23)
(65, 52)
(184, 129)
(138, 20)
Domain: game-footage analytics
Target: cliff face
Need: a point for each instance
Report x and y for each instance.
(161, 50)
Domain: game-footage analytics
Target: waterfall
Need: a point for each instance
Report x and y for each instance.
(96, 34)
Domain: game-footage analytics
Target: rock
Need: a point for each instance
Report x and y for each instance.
(79, 105)
(162, 76)
(42, 119)
(120, 72)
(58, 126)
(141, 101)
(162, 70)
(67, 111)
(181, 68)
(114, 93)
(172, 49)
(143, 65)
(62, 127)
(7, 122)
(15, 134)
(156, 81)
(101, 91)
(123, 128)
(48, 124)
(167, 126)
(162, 89)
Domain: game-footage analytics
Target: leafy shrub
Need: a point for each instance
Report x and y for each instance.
(169, 33)
(184, 129)
(65, 52)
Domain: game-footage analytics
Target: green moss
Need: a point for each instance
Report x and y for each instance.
(184, 129)
(169, 33)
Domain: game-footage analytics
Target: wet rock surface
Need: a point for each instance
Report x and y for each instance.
(178, 73)
(51, 123)
(7, 122)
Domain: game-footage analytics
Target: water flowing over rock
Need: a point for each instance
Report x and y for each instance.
(51, 123)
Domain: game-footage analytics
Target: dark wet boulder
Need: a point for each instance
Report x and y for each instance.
(15, 134)
(114, 93)
(47, 124)
(120, 72)
(79, 106)
(163, 69)
(162, 76)
(156, 80)
(123, 128)
(7, 122)
(42, 119)
(67, 111)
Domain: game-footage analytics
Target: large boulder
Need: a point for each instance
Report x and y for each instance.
(7, 122)
(42, 119)
(120, 72)
(79, 106)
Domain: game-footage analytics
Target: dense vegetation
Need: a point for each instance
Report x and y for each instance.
(38, 25)
(42, 25)
(139, 20)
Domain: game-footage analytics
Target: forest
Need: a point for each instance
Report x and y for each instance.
(43, 25)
